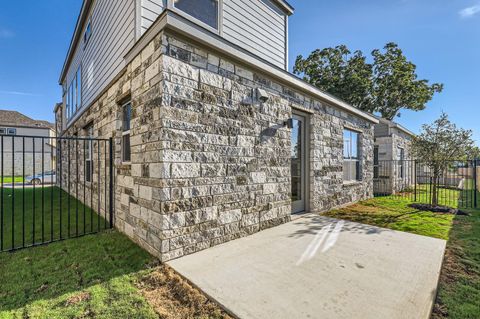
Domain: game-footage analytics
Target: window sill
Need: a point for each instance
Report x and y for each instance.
(125, 165)
(352, 183)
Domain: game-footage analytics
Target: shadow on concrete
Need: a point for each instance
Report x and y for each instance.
(314, 224)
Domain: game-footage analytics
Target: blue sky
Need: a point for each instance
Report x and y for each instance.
(440, 36)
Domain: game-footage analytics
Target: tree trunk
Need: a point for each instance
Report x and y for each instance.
(434, 190)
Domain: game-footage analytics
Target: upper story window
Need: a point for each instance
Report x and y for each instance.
(73, 99)
(351, 155)
(206, 11)
(88, 32)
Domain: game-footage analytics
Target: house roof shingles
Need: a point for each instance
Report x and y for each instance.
(14, 118)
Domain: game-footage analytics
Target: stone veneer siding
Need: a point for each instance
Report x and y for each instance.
(388, 167)
(210, 163)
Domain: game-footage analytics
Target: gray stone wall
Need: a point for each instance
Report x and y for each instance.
(390, 179)
(210, 163)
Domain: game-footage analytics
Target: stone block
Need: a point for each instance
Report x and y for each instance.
(185, 170)
(229, 216)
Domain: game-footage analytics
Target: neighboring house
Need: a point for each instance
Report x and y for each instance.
(394, 169)
(38, 142)
(213, 138)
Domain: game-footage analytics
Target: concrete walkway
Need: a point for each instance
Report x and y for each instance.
(317, 267)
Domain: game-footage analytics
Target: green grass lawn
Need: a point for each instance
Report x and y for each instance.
(88, 277)
(394, 213)
(459, 287)
(10, 179)
(104, 275)
(38, 217)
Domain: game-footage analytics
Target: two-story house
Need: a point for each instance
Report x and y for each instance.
(214, 138)
(27, 145)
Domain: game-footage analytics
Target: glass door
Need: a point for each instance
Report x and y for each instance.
(298, 159)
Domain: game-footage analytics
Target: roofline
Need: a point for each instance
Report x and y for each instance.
(172, 21)
(396, 125)
(11, 125)
(404, 129)
(84, 11)
(57, 106)
(285, 6)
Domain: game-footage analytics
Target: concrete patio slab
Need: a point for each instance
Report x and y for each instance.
(317, 267)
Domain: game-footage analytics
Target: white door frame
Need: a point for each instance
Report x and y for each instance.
(301, 206)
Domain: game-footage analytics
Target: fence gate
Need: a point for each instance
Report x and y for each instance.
(53, 188)
(455, 183)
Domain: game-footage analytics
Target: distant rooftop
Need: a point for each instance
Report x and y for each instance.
(395, 125)
(14, 118)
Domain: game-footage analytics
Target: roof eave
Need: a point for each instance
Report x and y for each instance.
(171, 21)
(285, 6)
(84, 11)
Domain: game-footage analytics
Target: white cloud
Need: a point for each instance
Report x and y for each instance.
(470, 11)
(4, 33)
(18, 93)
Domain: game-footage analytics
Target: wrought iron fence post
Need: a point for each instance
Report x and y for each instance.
(431, 190)
(111, 181)
(415, 180)
(475, 204)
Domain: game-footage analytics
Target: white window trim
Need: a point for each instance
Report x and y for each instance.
(357, 160)
(219, 31)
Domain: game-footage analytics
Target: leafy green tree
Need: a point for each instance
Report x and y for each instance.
(386, 86)
(474, 153)
(341, 73)
(438, 145)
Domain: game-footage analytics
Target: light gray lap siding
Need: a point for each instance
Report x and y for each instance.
(258, 26)
(113, 34)
(150, 10)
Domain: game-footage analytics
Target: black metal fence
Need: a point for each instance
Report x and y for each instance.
(53, 188)
(455, 184)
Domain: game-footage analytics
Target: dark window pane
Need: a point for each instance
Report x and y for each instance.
(127, 116)
(296, 153)
(203, 10)
(88, 170)
(126, 148)
(375, 162)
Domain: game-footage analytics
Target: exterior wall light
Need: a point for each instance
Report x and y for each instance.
(288, 123)
(262, 95)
